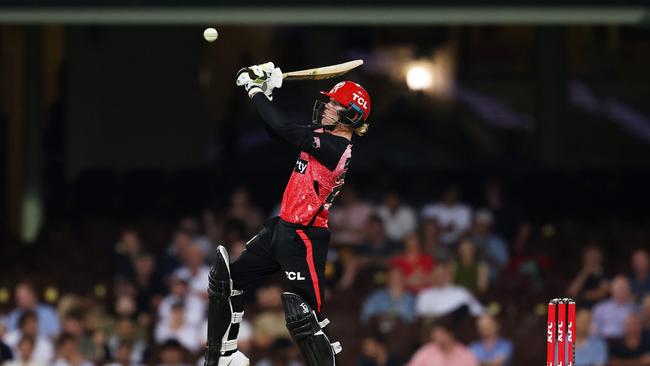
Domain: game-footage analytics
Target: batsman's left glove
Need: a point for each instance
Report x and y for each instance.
(260, 78)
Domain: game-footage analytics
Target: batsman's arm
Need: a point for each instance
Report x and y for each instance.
(277, 123)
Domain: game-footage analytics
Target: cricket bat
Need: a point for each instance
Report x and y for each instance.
(325, 72)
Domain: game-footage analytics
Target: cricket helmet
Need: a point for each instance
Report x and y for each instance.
(351, 95)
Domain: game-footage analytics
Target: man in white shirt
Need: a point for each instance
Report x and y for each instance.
(453, 217)
(444, 298)
(399, 219)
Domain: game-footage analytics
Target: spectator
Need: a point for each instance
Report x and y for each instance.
(172, 353)
(392, 301)
(269, 324)
(443, 298)
(630, 350)
(443, 348)
(5, 351)
(375, 352)
(491, 349)
(509, 218)
(191, 226)
(430, 236)
(26, 299)
(125, 331)
(241, 208)
(170, 261)
(348, 218)
(195, 269)
(400, 220)
(281, 354)
(195, 307)
(591, 284)
(175, 327)
(453, 217)
(25, 352)
(468, 272)
(68, 353)
(73, 325)
(493, 250)
(123, 355)
(149, 290)
(589, 350)
(640, 276)
(415, 265)
(28, 327)
(609, 315)
(126, 250)
(376, 246)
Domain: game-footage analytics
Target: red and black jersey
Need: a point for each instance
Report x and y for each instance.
(319, 173)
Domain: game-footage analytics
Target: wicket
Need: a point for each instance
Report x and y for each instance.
(560, 332)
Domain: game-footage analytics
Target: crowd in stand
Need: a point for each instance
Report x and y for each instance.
(432, 271)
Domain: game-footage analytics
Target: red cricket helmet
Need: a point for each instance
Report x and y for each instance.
(352, 95)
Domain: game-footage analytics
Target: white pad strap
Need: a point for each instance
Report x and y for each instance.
(324, 323)
(236, 317)
(336, 347)
(236, 292)
(229, 345)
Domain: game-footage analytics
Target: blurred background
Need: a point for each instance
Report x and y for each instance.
(507, 163)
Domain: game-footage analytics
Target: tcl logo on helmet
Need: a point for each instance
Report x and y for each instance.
(360, 101)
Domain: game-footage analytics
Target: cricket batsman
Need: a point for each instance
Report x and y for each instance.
(296, 242)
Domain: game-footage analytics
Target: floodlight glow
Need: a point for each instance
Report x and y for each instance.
(419, 77)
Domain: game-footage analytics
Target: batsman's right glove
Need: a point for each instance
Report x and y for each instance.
(260, 78)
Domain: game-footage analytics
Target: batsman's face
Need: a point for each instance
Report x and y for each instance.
(331, 112)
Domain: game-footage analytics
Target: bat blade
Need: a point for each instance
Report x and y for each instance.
(325, 72)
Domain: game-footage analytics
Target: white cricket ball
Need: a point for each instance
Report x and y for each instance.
(210, 34)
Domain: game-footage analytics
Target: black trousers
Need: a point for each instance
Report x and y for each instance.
(300, 252)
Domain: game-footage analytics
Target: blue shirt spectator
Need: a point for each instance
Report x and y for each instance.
(592, 352)
(609, 315)
(48, 320)
(392, 300)
(491, 349)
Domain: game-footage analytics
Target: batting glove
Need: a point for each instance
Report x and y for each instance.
(260, 78)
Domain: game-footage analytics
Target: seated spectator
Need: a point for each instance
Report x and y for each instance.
(348, 218)
(640, 276)
(630, 350)
(195, 307)
(68, 353)
(375, 352)
(73, 324)
(26, 299)
(149, 289)
(269, 324)
(453, 217)
(443, 348)
(125, 331)
(195, 269)
(242, 208)
(5, 350)
(491, 349)
(170, 260)
(126, 250)
(392, 301)
(175, 327)
(431, 244)
(609, 315)
(25, 352)
(468, 272)
(399, 219)
(172, 353)
(375, 246)
(592, 283)
(590, 350)
(123, 355)
(443, 298)
(281, 353)
(491, 247)
(28, 327)
(415, 265)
